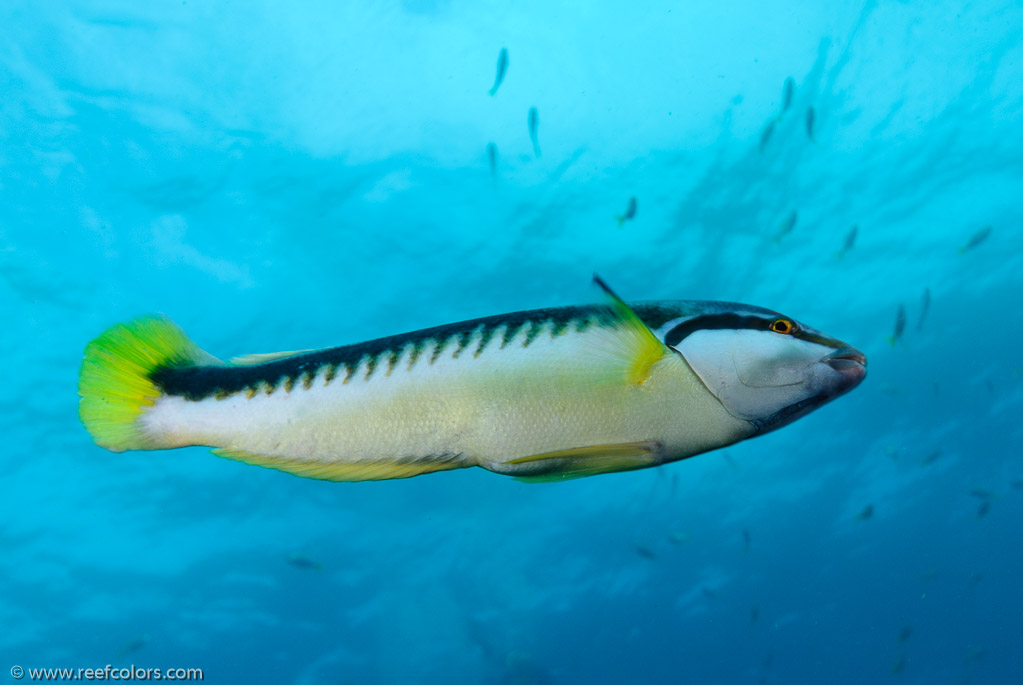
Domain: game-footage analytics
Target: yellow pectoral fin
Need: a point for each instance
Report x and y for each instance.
(590, 461)
(631, 344)
(348, 471)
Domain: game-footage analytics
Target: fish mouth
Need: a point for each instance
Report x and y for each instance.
(851, 366)
(850, 363)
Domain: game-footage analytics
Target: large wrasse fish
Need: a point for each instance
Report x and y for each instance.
(547, 394)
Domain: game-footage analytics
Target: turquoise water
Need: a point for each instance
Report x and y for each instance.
(278, 178)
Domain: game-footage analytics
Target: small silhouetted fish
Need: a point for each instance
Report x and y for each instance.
(974, 580)
(974, 654)
(786, 226)
(765, 135)
(900, 665)
(810, 116)
(983, 509)
(905, 634)
(900, 326)
(982, 494)
(708, 593)
(133, 645)
(520, 668)
(534, 124)
(502, 69)
(630, 213)
(747, 540)
(754, 616)
(644, 551)
(867, 513)
(731, 462)
(1017, 484)
(925, 305)
(976, 239)
(678, 538)
(850, 241)
(492, 159)
(930, 458)
(303, 562)
(786, 94)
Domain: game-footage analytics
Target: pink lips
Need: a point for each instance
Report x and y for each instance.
(849, 362)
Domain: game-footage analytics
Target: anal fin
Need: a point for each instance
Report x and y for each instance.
(580, 462)
(349, 471)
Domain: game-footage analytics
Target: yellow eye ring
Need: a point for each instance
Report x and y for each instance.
(783, 326)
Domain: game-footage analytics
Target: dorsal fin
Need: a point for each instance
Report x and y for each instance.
(264, 357)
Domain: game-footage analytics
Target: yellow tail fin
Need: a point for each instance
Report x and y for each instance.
(115, 381)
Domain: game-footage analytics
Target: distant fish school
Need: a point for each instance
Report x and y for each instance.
(542, 395)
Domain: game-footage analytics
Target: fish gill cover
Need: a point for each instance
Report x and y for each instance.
(286, 176)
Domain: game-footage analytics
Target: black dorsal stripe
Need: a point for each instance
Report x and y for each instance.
(199, 382)
(715, 322)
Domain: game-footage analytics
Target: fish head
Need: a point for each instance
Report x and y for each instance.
(764, 367)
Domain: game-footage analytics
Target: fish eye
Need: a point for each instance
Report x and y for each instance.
(783, 326)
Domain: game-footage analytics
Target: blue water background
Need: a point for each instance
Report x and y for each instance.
(280, 176)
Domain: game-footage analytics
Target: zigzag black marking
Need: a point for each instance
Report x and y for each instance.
(200, 382)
